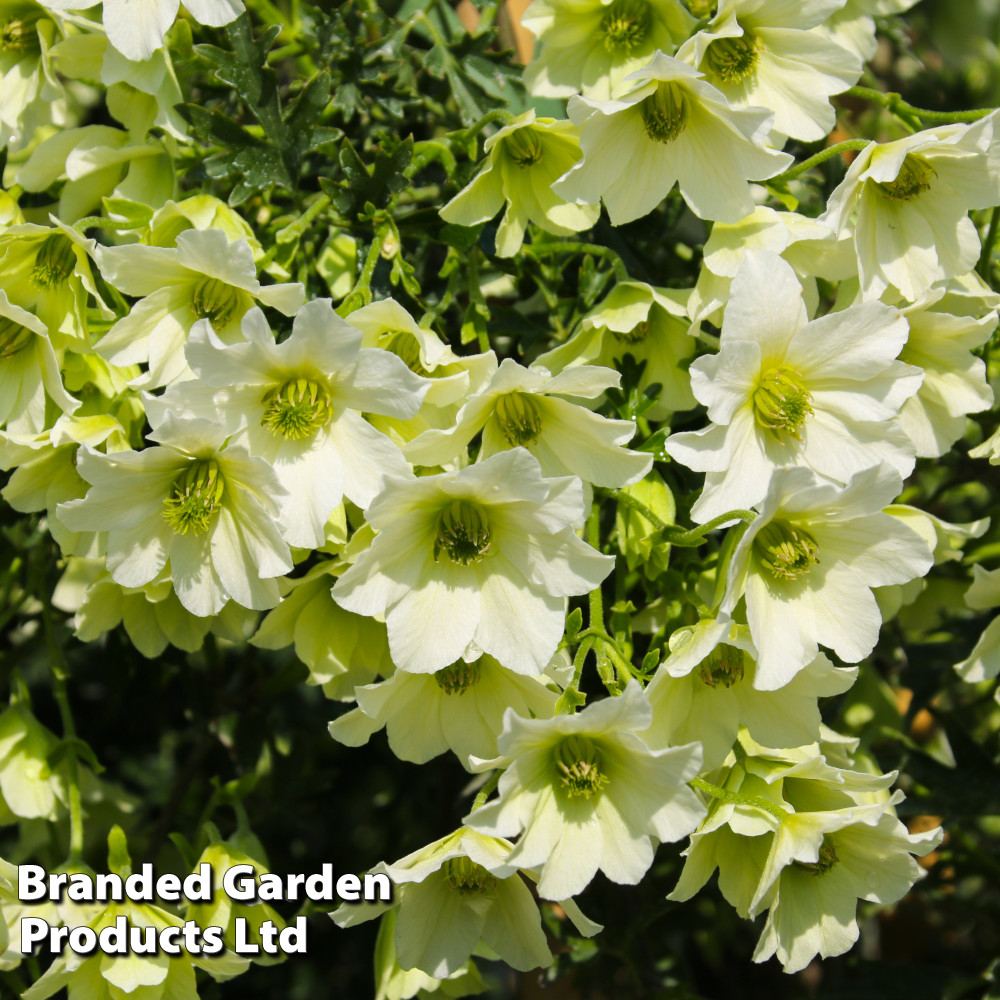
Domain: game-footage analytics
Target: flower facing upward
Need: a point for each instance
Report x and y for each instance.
(477, 560)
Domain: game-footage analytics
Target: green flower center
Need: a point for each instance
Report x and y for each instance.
(786, 550)
(54, 262)
(524, 146)
(625, 26)
(215, 301)
(782, 402)
(914, 178)
(732, 60)
(827, 859)
(520, 417)
(463, 533)
(724, 665)
(466, 877)
(19, 35)
(195, 498)
(297, 410)
(14, 338)
(636, 335)
(578, 762)
(406, 347)
(664, 113)
(459, 677)
(701, 9)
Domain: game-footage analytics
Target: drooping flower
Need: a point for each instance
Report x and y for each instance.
(521, 163)
(784, 392)
(672, 127)
(298, 405)
(590, 46)
(203, 277)
(807, 563)
(204, 513)
(485, 556)
(586, 794)
(525, 407)
(766, 53)
(907, 205)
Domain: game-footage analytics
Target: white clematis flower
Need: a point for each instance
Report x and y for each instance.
(298, 405)
(784, 392)
(765, 53)
(807, 563)
(487, 555)
(673, 127)
(203, 277)
(525, 407)
(907, 204)
(983, 663)
(204, 513)
(587, 794)
(137, 28)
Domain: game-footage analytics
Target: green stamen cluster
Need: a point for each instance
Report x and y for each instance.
(406, 347)
(732, 60)
(782, 402)
(625, 25)
(14, 338)
(636, 335)
(579, 765)
(827, 859)
(54, 262)
(724, 665)
(463, 533)
(524, 146)
(701, 9)
(215, 301)
(786, 551)
(19, 35)
(196, 498)
(459, 677)
(664, 113)
(914, 178)
(297, 410)
(466, 877)
(520, 417)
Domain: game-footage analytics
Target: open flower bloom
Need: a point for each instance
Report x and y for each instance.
(137, 28)
(524, 407)
(297, 404)
(591, 46)
(808, 562)
(484, 556)
(204, 513)
(853, 26)
(522, 162)
(704, 691)
(648, 323)
(765, 53)
(673, 127)
(784, 392)
(586, 794)
(459, 708)
(29, 372)
(912, 199)
(474, 893)
(203, 277)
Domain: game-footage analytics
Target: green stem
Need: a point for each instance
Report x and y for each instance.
(498, 115)
(814, 161)
(60, 671)
(894, 103)
(617, 264)
(595, 598)
(754, 801)
(672, 533)
(984, 267)
(361, 294)
(487, 790)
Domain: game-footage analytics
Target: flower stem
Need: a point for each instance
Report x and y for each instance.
(672, 533)
(894, 103)
(498, 115)
(617, 264)
(755, 801)
(815, 161)
(985, 265)
(361, 294)
(487, 790)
